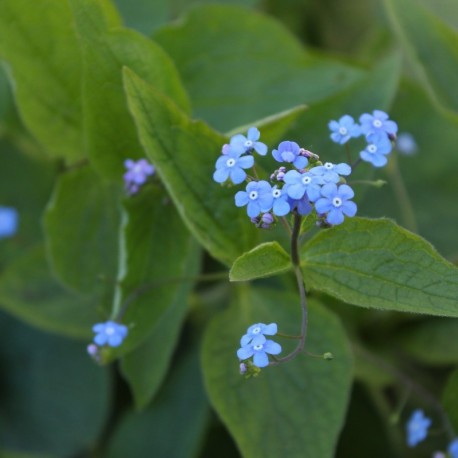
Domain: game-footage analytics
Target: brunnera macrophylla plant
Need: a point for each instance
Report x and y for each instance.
(302, 185)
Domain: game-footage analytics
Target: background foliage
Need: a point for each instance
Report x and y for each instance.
(86, 84)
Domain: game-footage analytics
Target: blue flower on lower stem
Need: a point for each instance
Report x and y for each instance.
(378, 147)
(297, 184)
(377, 122)
(344, 129)
(241, 144)
(109, 333)
(259, 348)
(417, 428)
(336, 203)
(256, 330)
(231, 165)
(258, 198)
(8, 222)
(453, 448)
(280, 206)
(290, 152)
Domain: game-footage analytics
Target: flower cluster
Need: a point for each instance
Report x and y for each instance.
(254, 344)
(8, 222)
(378, 130)
(109, 333)
(137, 174)
(302, 184)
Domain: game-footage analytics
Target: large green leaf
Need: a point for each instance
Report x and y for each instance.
(295, 409)
(28, 291)
(377, 264)
(264, 260)
(81, 225)
(54, 399)
(158, 261)
(184, 152)
(40, 45)
(111, 134)
(432, 46)
(253, 68)
(180, 410)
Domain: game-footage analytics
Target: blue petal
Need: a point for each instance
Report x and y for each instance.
(281, 207)
(342, 169)
(300, 162)
(245, 352)
(345, 192)
(241, 199)
(295, 191)
(323, 205)
(270, 329)
(260, 359)
(100, 339)
(221, 175)
(237, 175)
(253, 134)
(246, 162)
(245, 340)
(253, 209)
(272, 347)
(335, 216)
(349, 208)
(333, 125)
(115, 340)
(260, 148)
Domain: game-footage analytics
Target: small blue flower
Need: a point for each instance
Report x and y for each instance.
(231, 165)
(417, 428)
(258, 198)
(259, 348)
(453, 448)
(378, 147)
(302, 206)
(406, 144)
(297, 184)
(137, 174)
(290, 152)
(110, 333)
(344, 129)
(336, 203)
(256, 330)
(330, 173)
(377, 122)
(280, 206)
(241, 144)
(8, 222)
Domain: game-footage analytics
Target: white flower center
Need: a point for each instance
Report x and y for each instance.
(230, 162)
(306, 180)
(109, 330)
(377, 123)
(337, 201)
(253, 195)
(329, 165)
(248, 144)
(257, 347)
(372, 148)
(343, 131)
(256, 330)
(276, 193)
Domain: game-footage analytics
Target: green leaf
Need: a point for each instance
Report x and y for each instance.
(295, 409)
(184, 152)
(111, 133)
(431, 341)
(377, 264)
(28, 291)
(255, 67)
(182, 403)
(81, 224)
(432, 47)
(450, 399)
(264, 260)
(40, 45)
(158, 261)
(146, 15)
(54, 399)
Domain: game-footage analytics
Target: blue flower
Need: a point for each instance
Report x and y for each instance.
(231, 165)
(8, 222)
(302, 206)
(406, 144)
(297, 184)
(110, 333)
(330, 173)
(378, 147)
(344, 129)
(137, 174)
(259, 348)
(417, 428)
(290, 152)
(453, 448)
(258, 198)
(336, 203)
(257, 330)
(280, 206)
(377, 122)
(241, 144)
